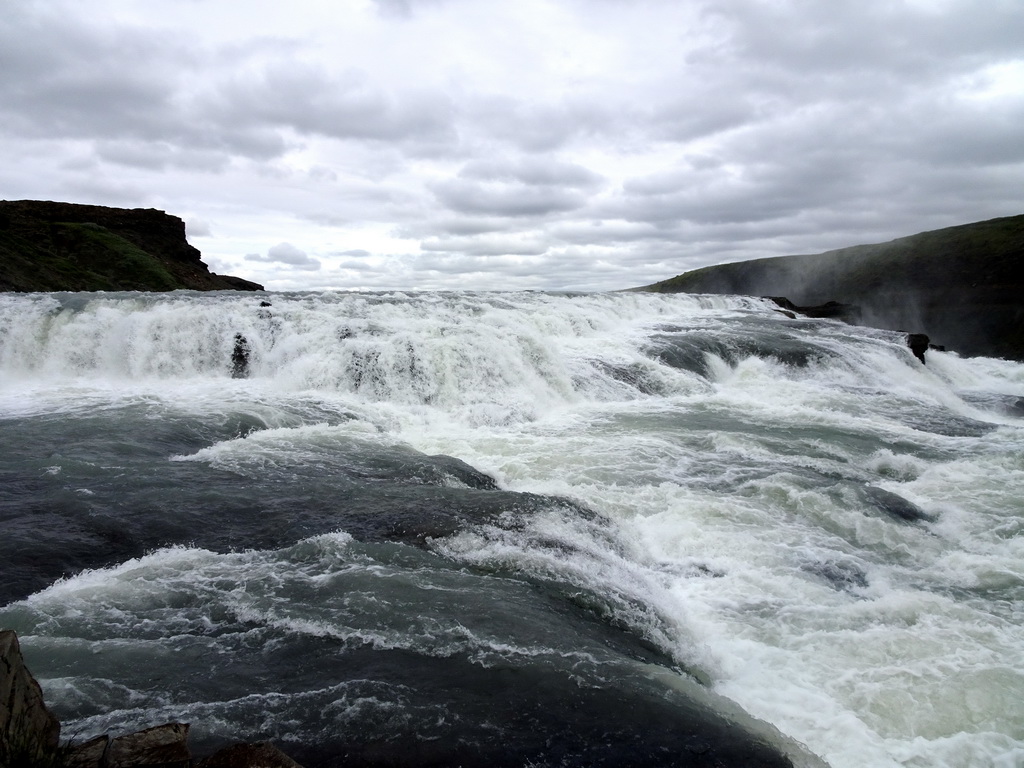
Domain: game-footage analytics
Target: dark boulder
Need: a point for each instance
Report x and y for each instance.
(162, 746)
(91, 754)
(894, 505)
(240, 357)
(29, 733)
(831, 310)
(918, 343)
(260, 755)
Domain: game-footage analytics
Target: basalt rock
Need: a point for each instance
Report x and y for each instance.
(29, 733)
(91, 754)
(834, 310)
(918, 343)
(240, 357)
(895, 506)
(52, 246)
(163, 746)
(261, 755)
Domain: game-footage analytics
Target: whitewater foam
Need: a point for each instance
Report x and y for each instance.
(723, 499)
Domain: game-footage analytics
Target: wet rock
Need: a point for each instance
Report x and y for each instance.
(163, 746)
(895, 505)
(260, 755)
(841, 576)
(835, 310)
(91, 754)
(240, 357)
(918, 343)
(29, 733)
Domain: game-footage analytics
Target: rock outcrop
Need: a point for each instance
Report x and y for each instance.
(30, 734)
(962, 286)
(260, 755)
(51, 246)
(831, 309)
(918, 343)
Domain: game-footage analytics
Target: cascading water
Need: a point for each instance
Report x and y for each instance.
(513, 529)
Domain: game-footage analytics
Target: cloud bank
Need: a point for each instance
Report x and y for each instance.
(547, 144)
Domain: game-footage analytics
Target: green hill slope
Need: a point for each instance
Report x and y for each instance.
(963, 286)
(50, 246)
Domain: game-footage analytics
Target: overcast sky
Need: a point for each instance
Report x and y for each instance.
(500, 144)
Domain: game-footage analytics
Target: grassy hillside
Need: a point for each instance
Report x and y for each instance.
(963, 286)
(48, 246)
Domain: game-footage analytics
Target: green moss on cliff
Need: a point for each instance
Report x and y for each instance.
(49, 246)
(113, 259)
(963, 286)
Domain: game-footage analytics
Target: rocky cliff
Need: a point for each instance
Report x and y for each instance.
(962, 286)
(50, 246)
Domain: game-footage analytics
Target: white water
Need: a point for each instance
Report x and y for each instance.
(722, 496)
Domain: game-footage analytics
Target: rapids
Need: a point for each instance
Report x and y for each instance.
(513, 529)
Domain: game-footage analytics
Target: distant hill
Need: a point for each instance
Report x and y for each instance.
(963, 286)
(50, 246)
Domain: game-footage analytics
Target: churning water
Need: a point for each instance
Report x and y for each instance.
(513, 529)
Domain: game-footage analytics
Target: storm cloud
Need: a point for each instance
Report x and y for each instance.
(547, 144)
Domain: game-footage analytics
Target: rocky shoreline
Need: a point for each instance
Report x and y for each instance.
(30, 734)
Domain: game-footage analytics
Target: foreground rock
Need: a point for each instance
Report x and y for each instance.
(51, 246)
(30, 734)
(261, 755)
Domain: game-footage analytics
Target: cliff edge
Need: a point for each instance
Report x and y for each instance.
(51, 246)
(963, 286)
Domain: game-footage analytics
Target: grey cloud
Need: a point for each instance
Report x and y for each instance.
(286, 253)
(515, 200)
(132, 87)
(309, 100)
(451, 226)
(462, 264)
(101, 188)
(116, 83)
(540, 127)
(772, 192)
(355, 266)
(610, 232)
(522, 188)
(64, 80)
(159, 155)
(912, 39)
(198, 228)
(487, 246)
(981, 137)
(765, 128)
(534, 171)
(702, 114)
(403, 8)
